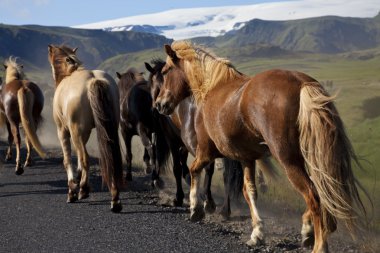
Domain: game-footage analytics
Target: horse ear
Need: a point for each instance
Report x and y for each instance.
(149, 68)
(118, 75)
(75, 49)
(169, 51)
(50, 48)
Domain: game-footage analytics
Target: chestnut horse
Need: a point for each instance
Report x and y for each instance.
(83, 100)
(286, 112)
(183, 118)
(21, 101)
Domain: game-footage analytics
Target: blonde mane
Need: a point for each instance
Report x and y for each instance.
(203, 69)
(13, 70)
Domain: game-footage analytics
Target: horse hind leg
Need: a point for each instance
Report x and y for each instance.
(80, 138)
(250, 195)
(313, 230)
(64, 138)
(177, 170)
(209, 203)
(8, 155)
(28, 161)
(17, 139)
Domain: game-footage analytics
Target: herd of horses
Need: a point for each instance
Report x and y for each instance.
(197, 103)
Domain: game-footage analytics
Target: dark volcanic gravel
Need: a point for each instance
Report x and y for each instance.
(34, 217)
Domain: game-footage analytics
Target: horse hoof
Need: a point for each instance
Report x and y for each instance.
(19, 170)
(8, 158)
(225, 214)
(83, 194)
(253, 243)
(177, 203)
(116, 207)
(209, 206)
(159, 184)
(197, 214)
(128, 177)
(71, 198)
(308, 241)
(148, 170)
(28, 164)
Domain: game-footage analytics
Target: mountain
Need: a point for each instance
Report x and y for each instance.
(329, 34)
(216, 21)
(95, 46)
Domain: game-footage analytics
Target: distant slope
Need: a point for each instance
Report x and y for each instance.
(30, 43)
(328, 34)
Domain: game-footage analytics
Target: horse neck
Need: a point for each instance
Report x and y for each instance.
(11, 76)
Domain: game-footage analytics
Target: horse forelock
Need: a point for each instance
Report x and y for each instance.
(14, 70)
(203, 69)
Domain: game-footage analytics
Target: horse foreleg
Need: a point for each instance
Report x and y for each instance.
(225, 210)
(209, 203)
(250, 195)
(17, 139)
(177, 170)
(149, 146)
(28, 161)
(64, 138)
(196, 208)
(128, 148)
(8, 156)
(183, 153)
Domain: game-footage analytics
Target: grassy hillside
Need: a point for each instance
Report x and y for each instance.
(327, 34)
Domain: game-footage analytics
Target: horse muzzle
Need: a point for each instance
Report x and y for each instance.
(164, 107)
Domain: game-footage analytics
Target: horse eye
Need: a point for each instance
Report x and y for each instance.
(68, 60)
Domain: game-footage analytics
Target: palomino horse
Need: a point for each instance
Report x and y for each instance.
(85, 99)
(21, 101)
(137, 117)
(183, 118)
(288, 113)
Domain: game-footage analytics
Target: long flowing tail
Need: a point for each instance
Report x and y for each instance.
(328, 152)
(107, 125)
(25, 99)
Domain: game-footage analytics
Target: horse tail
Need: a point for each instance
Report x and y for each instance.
(25, 99)
(328, 152)
(106, 121)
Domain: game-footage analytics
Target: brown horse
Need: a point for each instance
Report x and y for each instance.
(83, 100)
(286, 112)
(21, 101)
(183, 119)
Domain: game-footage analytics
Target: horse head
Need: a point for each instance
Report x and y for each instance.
(127, 80)
(13, 70)
(63, 61)
(175, 85)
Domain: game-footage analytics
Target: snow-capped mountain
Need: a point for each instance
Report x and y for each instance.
(215, 21)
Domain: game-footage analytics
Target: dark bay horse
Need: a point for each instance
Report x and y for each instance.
(83, 100)
(286, 112)
(139, 118)
(183, 118)
(21, 101)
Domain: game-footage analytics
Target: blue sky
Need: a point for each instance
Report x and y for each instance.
(70, 12)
